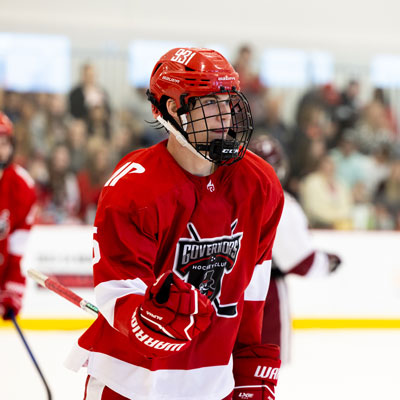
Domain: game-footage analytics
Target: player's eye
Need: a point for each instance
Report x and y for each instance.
(209, 101)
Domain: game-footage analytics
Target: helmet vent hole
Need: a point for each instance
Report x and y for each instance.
(156, 68)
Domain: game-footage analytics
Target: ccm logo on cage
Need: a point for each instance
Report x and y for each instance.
(230, 151)
(266, 372)
(148, 341)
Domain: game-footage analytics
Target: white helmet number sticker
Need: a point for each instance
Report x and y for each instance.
(183, 56)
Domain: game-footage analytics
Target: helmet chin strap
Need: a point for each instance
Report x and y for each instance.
(179, 137)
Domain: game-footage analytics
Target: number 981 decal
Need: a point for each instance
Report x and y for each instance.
(183, 56)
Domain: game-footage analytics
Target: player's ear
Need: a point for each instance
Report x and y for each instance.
(172, 108)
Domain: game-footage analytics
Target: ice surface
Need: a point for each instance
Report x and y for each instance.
(326, 365)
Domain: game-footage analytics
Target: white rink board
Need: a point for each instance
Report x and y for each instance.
(367, 284)
(57, 250)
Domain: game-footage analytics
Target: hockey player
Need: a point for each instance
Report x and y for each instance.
(17, 198)
(182, 249)
(293, 252)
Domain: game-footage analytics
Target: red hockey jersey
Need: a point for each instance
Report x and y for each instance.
(215, 232)
(17, 197)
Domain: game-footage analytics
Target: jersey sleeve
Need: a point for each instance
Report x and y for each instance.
(124, 255)
(23, 215)
(294, 251)
(256, 292)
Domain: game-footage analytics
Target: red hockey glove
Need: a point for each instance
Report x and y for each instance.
(334, 262)
(11, 299)
(256, 370)
(172, 314)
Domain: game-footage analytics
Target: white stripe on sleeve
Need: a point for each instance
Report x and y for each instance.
(17, 242)
(108, 292)
(259, 284)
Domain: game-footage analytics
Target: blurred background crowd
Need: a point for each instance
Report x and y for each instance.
(344, 153)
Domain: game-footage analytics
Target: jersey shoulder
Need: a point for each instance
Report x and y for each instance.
(21, 186)
(22, 183)
(258, 173)
(142, 177)
(21, 177)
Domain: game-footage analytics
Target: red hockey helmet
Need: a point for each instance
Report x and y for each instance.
(6, 126)
(188, 74)
(272, 152)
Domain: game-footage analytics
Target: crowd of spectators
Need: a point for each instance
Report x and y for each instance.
(344, 155)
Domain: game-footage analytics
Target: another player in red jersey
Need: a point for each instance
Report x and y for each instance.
(293, 253)
(17, 198)
(182, 249)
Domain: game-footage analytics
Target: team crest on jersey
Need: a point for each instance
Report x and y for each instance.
(4, 224)
(203, 262)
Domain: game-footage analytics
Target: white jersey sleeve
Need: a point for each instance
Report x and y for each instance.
(293, 242)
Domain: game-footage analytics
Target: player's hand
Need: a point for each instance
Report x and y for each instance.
(334, 262)
(11, 299)
(172, 314)
(256, 371)
(176, 308)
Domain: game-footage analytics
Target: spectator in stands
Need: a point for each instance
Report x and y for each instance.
(363, 211)
(272, 121)
(327, 201)
(48, 126)
(64, 201)
(324, 97)
(38, 168)
(98, 122)
(308, 145)
(134, 122)
(22, 131)
(92, 178)
(381, 97)
(348, 110)
(77, 142)
(87, 94)
(12, 105)
(351, 166)
(56, 122)
(250, 82)
(373, 130)
(379, 164)
(388, 194)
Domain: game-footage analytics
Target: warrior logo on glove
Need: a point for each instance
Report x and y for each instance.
(204, 262)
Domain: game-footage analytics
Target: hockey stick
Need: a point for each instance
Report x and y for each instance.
(21, 335)
(63, 291)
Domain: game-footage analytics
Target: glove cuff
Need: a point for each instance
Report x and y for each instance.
(256, 370)
(151, 343)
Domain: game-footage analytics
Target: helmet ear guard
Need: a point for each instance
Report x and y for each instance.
(187, 75)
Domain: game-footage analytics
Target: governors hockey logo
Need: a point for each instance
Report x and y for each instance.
(204, 262)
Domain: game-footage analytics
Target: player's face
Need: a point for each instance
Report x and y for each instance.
(210, 118)
(5, 149)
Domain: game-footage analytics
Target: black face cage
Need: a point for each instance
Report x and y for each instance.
(223, 127)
